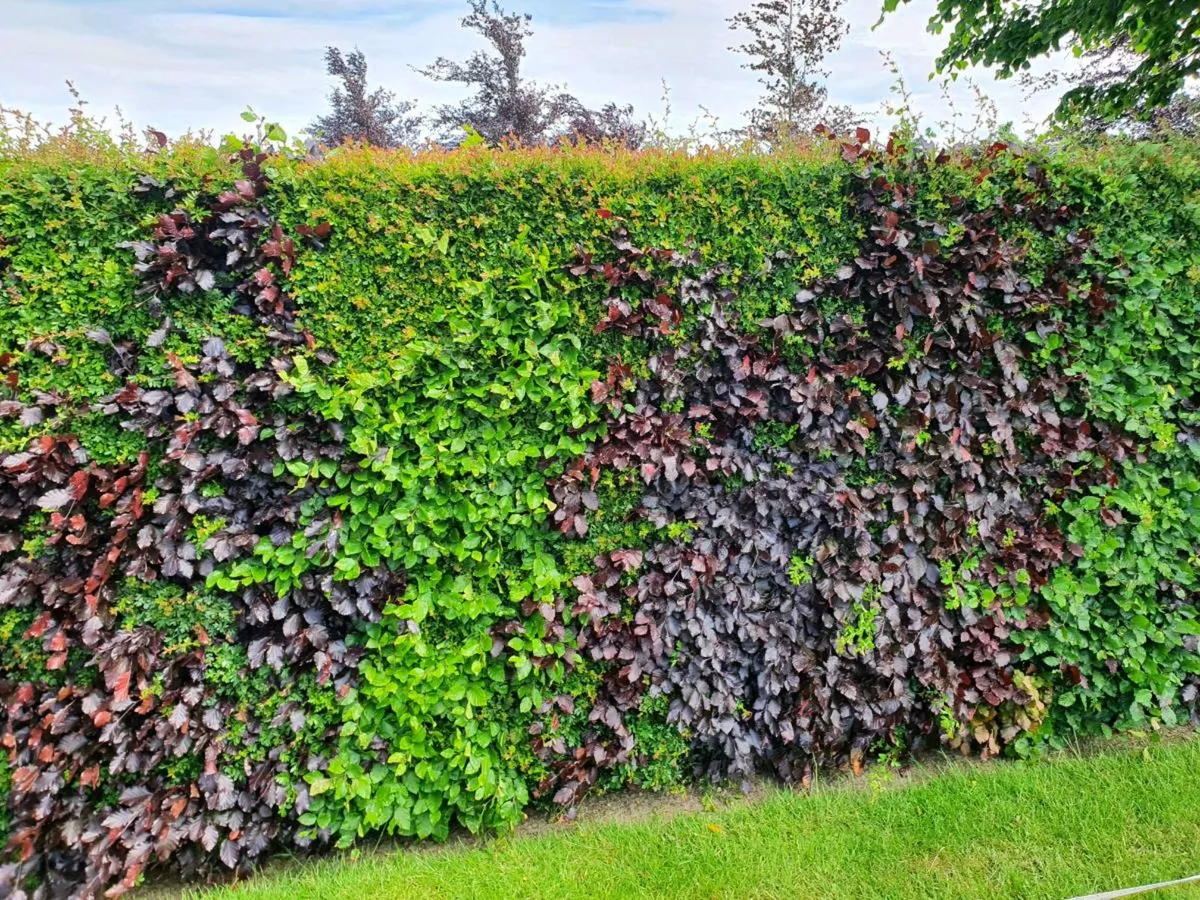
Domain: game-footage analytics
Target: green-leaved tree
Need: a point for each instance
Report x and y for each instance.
(1007, 34)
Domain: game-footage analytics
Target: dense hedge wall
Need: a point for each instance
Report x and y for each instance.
(382, 494)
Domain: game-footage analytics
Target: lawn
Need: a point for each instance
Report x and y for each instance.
(1076, 824)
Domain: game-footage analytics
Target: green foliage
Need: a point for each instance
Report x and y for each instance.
(64, 216)
(20, 656)
(186, 620)
(299, 717)
(615, 525)
(964, 590)
(457, 437)
(1143, 367)
(857, 636)
(1010, 36)
(444, 222)
(774, 434)
(433, 701)
(663, 758)
(1122, 615)
(1122, 638)
(800, 570)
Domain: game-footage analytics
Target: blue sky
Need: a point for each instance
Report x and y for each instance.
(198, 63)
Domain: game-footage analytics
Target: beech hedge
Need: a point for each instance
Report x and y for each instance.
(395, 494)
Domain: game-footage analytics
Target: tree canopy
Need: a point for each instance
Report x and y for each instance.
(1008, 34)
(787, 41)
(1111, 65)
(357, 114)
(506, 104)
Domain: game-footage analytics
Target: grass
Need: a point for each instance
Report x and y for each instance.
(1074, 825)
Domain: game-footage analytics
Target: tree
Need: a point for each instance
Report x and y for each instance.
(1111, 65)
(788, 39)
(356, 115)
(1007, 34)
(505, 105)
(611, 125)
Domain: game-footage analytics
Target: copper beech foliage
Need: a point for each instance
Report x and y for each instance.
(889, 472)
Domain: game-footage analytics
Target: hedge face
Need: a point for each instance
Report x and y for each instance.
(382, 494)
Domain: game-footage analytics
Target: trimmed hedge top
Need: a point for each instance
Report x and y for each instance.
(385, 493)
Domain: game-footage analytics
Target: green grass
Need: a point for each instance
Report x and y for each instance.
(1074, 825)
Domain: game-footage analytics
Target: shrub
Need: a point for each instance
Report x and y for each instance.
(393, 494)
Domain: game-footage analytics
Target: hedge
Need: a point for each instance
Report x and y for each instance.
(384, 493)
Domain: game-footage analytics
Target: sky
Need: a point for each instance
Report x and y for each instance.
(196, 64)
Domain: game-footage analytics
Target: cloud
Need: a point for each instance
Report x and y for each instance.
(197, 63)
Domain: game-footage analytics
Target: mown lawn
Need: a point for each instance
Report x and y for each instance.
(1053, 829)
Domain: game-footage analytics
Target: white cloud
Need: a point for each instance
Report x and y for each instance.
(197, 64)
